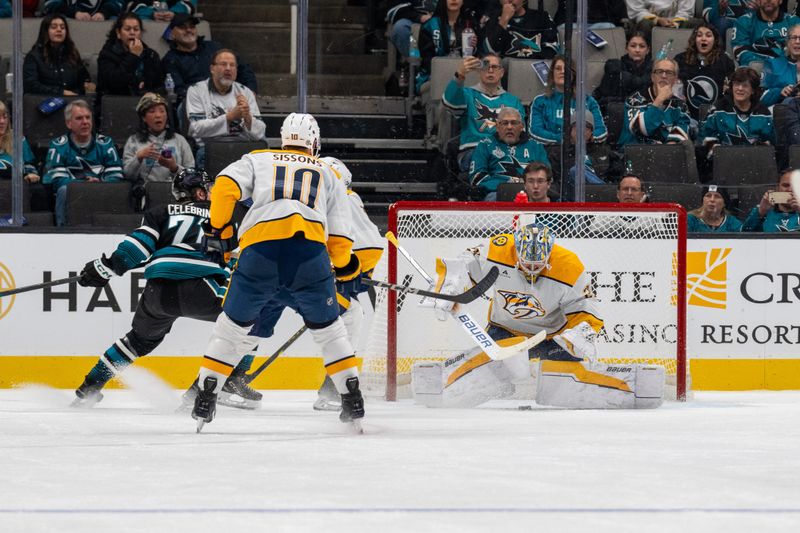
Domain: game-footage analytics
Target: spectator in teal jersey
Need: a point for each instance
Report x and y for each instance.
(547, 110)
(29, 172)
(477, 106)
(711, 216)
(503, 157)
(169, 8)
(79, 155)
(774, 216)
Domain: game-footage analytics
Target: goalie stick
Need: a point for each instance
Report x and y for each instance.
(469, 324)
(271, 359)
(463, 298)
(44, 285)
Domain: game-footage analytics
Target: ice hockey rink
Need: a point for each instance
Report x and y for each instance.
(721, 462)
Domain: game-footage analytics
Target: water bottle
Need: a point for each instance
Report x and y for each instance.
(664, 52)
(466, 41)
(677, 90)
(169, 85)
(413, 47)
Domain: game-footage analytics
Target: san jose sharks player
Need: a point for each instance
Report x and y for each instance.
(181, 282)
(541, 286)
(80, 155)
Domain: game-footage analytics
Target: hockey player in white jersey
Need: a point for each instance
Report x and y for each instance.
(297, 227)
(542, 286)
(368, 245)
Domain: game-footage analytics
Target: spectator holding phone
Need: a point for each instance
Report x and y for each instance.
(53, 66)
(155, 152)
(126, 65)
(778, 211)
(780, 72)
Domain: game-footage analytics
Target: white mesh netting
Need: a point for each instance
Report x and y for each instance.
(631, 257)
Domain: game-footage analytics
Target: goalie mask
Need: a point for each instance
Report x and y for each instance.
(301, 130)
(187, 180)
(534, 243)
(341, 169)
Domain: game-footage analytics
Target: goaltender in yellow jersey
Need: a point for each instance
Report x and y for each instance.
(541, 286)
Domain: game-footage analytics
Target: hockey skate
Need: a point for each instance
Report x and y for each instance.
(328, 398)
(236, 392)
(352, 405)
(205, 404)
(87, 395)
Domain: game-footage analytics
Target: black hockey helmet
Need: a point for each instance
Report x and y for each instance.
(187, 180)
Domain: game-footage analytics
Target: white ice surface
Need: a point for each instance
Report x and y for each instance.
(722, 462)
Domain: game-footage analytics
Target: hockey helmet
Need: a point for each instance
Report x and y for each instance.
(301, 129)
(534, 243)
(187, 180)
(341, 169)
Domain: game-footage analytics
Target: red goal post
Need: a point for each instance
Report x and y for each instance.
(635, 255)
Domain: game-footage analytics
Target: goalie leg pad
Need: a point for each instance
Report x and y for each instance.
(337, 353)
(599, 386)
(427, 383)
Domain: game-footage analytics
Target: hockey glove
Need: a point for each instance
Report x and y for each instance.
(96, 273)
(218, 244)
(579, 341)
(348, 277)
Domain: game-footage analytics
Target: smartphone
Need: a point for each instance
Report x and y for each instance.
(166, 152)
(595, 40)
(779, 197)
(542, 69)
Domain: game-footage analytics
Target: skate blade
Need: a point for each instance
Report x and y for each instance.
(200, 423)
(82, 403)
(237, 402)
(326, 405)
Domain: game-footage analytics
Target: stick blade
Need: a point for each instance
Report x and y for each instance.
(520, 347)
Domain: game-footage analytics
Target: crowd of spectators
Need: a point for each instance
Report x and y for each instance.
(689, 93)
(211, 88)
(701, 99)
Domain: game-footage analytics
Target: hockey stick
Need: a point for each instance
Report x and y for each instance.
(469, 324)
(248, 378)
(44, 285)
(464, 298)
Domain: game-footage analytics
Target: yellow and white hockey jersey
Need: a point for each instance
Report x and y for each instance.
(367, 240)
(292, 193)
(559, 298)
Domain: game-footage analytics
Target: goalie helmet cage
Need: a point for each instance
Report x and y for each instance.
(635, 255)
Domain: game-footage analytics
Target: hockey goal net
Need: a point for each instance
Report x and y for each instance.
(635, 256)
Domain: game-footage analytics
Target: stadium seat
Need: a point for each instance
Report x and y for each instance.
(522, 79)
(507, 191)
(85, 200)
(685, 194)
(613, 50)
(615, 121)
(159, 193)
(220, 152)
(606, 192)
(745, 165)
(747, 197)
(679, 36)
(664, 163)
(794, 156)
(41, 129)
(779, 112)
(119, 118)
(443, 70)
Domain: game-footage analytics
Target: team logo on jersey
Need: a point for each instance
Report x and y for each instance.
(522, 46)
(739, 138)
(706, 278)
(702, 90)
(6, 283)
(521, 305)
(487, 117)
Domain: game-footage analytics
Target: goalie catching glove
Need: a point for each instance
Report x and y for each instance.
(96, 273)
(579, 341)
(453, 278)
